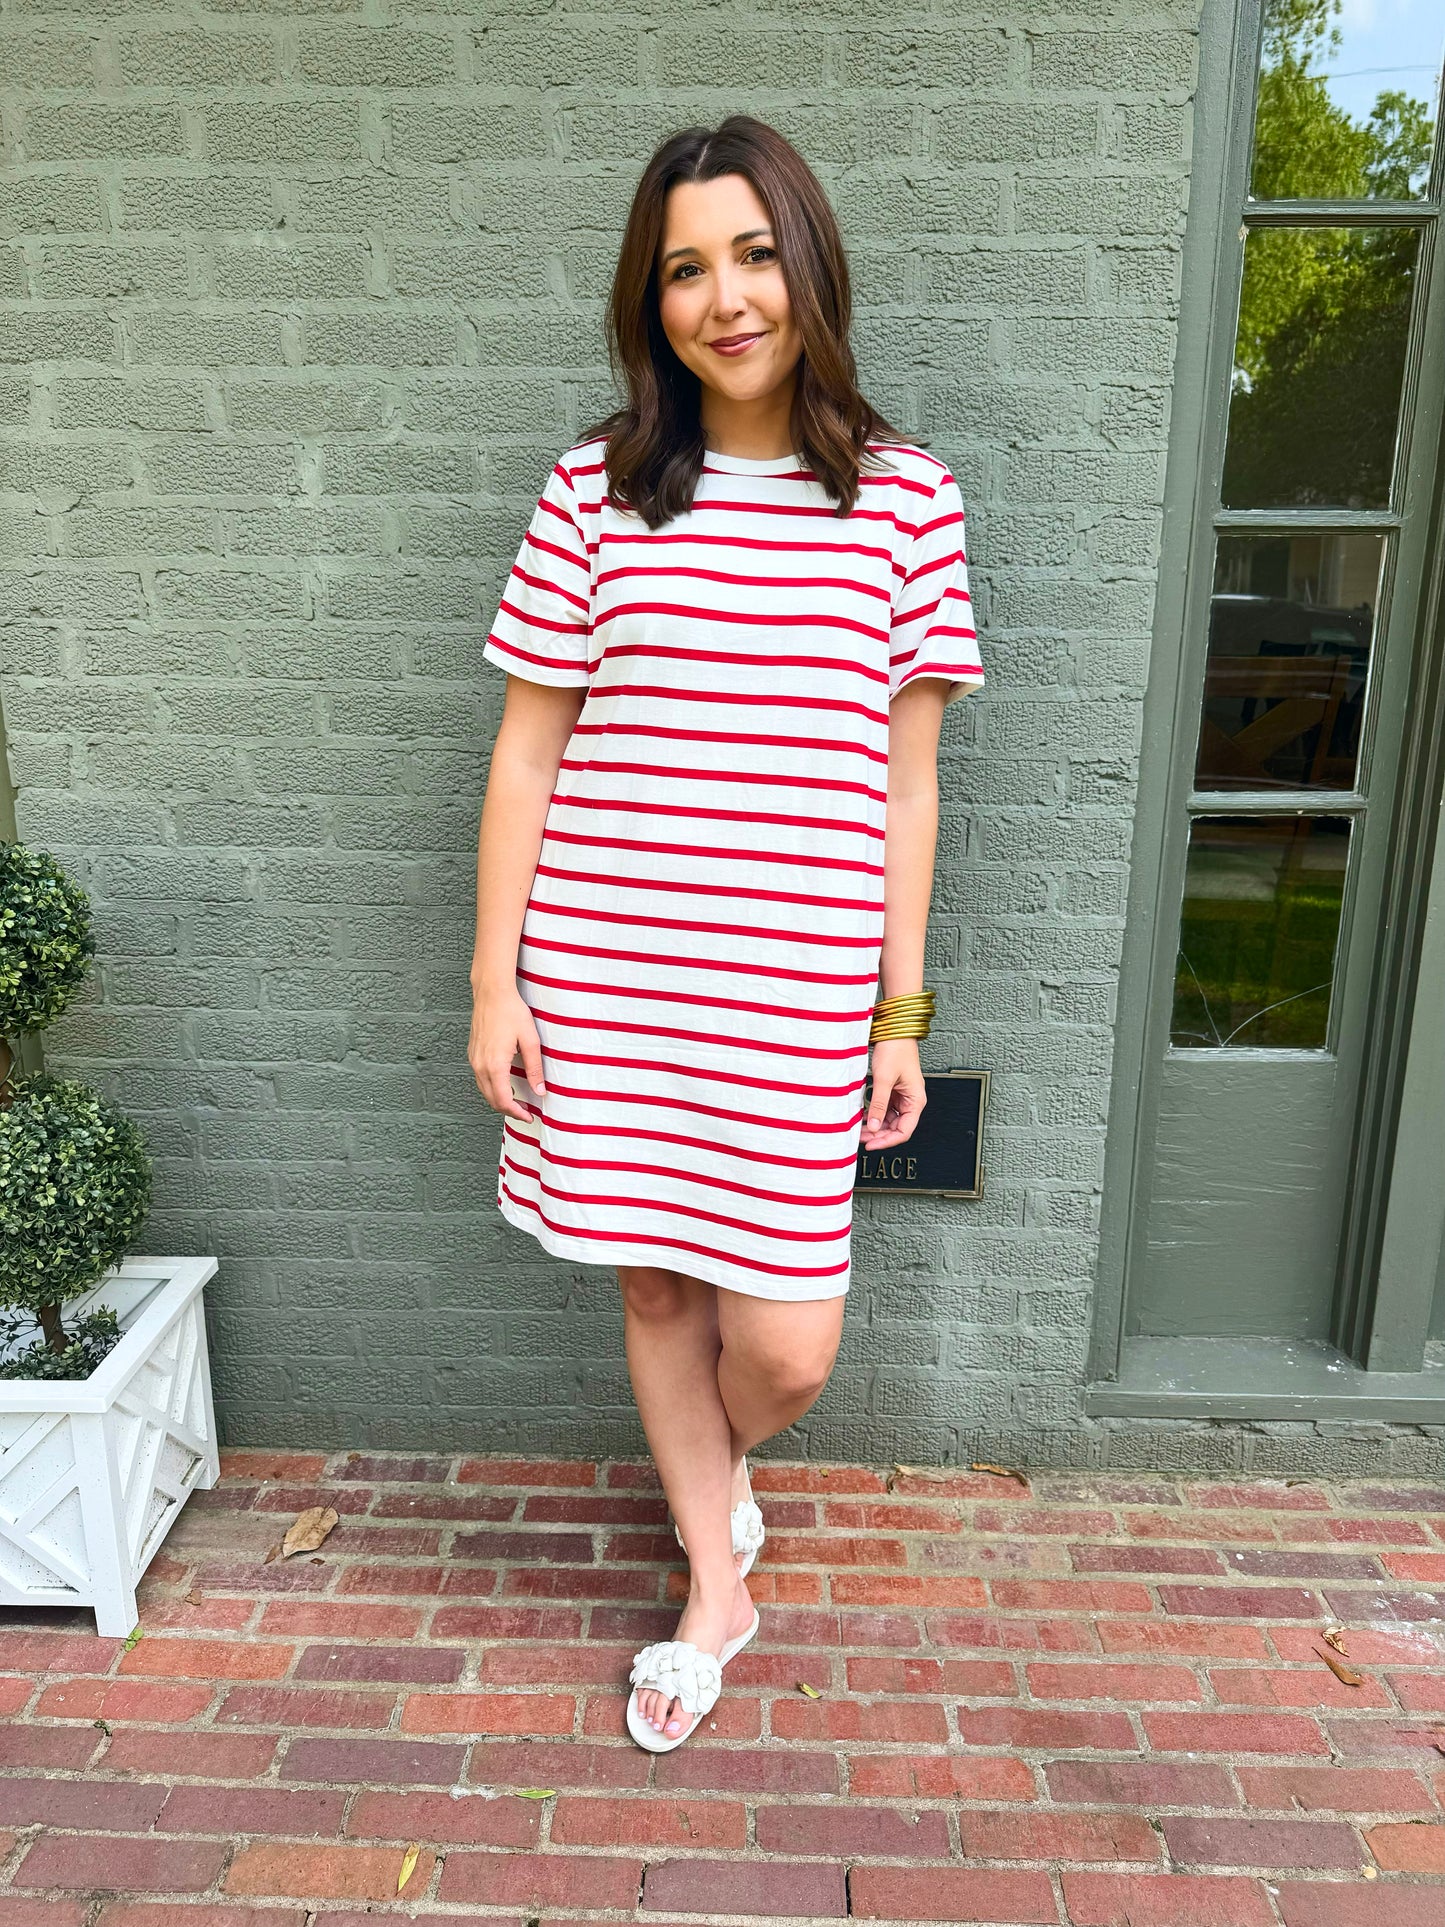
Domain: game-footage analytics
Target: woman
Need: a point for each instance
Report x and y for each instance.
(729, 636)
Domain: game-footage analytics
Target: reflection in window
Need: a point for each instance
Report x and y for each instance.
(1258, 934)
(1347, 101)
(1323, 317)
(1290, 624)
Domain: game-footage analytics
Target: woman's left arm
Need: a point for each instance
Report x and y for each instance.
(914, 719)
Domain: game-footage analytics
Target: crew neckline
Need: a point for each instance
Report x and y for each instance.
(745, 465)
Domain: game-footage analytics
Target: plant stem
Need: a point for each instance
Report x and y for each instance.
(7, 1064)
(51, 1326)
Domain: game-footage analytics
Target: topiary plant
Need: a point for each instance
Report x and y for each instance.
(75, 1179)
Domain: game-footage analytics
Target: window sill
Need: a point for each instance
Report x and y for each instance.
(1261, 1378)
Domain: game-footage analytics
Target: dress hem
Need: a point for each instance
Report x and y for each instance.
(640, 1251)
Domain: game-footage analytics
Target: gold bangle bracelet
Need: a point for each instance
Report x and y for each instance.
(907, 1015)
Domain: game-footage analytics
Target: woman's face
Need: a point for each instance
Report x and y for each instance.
(719, 277)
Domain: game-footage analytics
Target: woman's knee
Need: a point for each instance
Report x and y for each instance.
(652, 1293)
(794, 1377)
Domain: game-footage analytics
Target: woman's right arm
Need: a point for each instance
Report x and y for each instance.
(537, 720)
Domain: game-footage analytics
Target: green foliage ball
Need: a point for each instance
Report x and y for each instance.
(75, 1187)
(45, 939)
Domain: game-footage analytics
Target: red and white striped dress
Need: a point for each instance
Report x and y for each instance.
(700, 947)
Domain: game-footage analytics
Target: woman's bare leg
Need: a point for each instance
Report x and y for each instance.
(775, 1359)
(672, 1339)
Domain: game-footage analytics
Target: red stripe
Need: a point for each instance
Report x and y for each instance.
(745, 658)
(767, 618)
(663, 960)
(765, 544)
(674, 1244)
(849, 584)
(673, 770)
(647, 807)
(638, 921)
(693, 1177)
(527, 655)
(618, 726)
(681, 1068)
(694, 1211)
(707, 889)
(709, 1144)
(690, 996)
(691, 1104)
(723, 854)
(739, 697)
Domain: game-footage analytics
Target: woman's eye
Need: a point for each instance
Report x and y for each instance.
(758, 247)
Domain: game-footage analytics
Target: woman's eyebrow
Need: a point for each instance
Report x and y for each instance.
(751, 235)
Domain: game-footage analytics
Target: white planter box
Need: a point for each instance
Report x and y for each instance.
(93, 1471)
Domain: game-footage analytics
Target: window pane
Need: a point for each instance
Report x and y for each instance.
(1290, 625)
(1348, 99)
(1323, 316)
(1257, 936)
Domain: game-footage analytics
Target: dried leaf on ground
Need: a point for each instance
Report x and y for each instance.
(811, 1691)
(1003, 1471)
(408, 1865)
(274, 1553)
(1345, 1674)
(308, 1529)
(535, 1792)
(195, 1597)
(1335, 1636)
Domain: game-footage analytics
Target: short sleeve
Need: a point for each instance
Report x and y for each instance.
(933, 632)
(543, 623)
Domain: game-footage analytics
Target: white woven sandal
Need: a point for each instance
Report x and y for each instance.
(684, 1672)
(748, 1529)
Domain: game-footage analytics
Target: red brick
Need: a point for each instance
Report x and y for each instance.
(514, 1622)
(66, 1653)
(951, 1893)
(1240, 1602)
(1291, 1563)
(577, 1664)
(15, 1912)
(1165, 1900)
(435, 1665)
(1011, 1635)
(1262, 1494)
(869, 1675)
(645, 1821)
(740, 1769)
(853, 1628)
(776, 1889)
(875, 1516)
(1408, 1846)
(961, 1776)
(1292, 1686)
(1333, 1789)
(391, 1468)
(767, 1477)
(489, 1713)
(13, 1695)
(474, 1821)
(351, 1502)
(1359, 1532)
(1043, 1519)
(256, 1463)
(542, 1879)
(494, 1543)
(527, 1472)
(813, 1549)
(980, 1678)
(130, 1699)
(1070, 1596)
(1268, 1844)
(906, 1589)
(1147, 1783)
(209, 1756)
(1187, 1638)
(1364, 1735)
(914, 1722)
(595, 1509)
(1364, 1645)
(191, 1913)
(162, 1613)
(1027, 1726)
(47, 1746)
(1090, 1488)
(1419, 1692)
(113, 1864)
(340, 1619)
(1212, 1527)
(1035, 1834)
(851, 1831)
(207, 1659)
(962, 1485)
(325, 1872)
(287, 1706)
(232, 1809)
(392, 1581)
(94, 1806)
(443, 1505)
(1078, 1680)
(562, 1763)
(385, 1762)
(1381, 1605)
(1233, 1733)
(1356, 1903)
(1171, 1559)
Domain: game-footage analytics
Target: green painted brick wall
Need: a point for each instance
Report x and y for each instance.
(295, 314)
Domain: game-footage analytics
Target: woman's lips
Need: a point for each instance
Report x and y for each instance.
(734, 344)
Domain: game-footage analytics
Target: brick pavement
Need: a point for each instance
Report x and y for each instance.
(1094, 1699)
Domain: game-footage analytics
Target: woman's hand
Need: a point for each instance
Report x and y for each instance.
(502, 1029)
(898, 1094)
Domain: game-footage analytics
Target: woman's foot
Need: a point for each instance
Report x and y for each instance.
(709, 1624)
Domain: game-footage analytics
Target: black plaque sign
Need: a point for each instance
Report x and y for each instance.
(944, 1156)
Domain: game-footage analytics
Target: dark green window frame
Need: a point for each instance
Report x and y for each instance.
(1395, 1224)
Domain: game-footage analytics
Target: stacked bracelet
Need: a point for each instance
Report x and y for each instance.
(907, 1016)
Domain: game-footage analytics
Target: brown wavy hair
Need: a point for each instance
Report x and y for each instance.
(655, 441)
